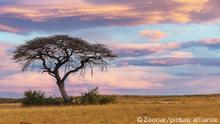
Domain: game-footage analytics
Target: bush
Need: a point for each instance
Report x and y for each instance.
(107, 99)
(37, 98)
(93, 97)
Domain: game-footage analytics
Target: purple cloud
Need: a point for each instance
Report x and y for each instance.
(169, 62)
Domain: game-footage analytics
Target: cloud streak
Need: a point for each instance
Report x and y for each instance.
(169, 61)
(153, 35)
(5, 28)
(136, 50)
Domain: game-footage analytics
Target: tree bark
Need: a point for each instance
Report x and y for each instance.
(63, 92)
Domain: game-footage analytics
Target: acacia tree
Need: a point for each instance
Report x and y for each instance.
(61, 55)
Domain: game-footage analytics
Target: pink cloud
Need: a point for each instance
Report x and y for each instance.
(137, 79)
(28, 79)
(150, 46)
(7, 63)
(180, 54)
(211, 41)
(8, 29)
(142, 49)
(153, 35)
(170, 54)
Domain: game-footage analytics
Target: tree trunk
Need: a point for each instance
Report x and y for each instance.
(64, 93)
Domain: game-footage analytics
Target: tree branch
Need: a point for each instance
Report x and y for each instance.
(82, 65)
(45, 65)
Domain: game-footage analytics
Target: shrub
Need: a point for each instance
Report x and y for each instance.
(33, 98)
(107, 99)
(93, 97)
(37, 98)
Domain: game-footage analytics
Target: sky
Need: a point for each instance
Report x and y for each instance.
(164, 47)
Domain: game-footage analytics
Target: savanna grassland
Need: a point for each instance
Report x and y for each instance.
(125, 111)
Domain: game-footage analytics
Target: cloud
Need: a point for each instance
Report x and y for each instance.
(154, 12)
(33, 79)
(212, 43)
(170, 53)
(180, 54)
(169, 61)
(135, 50)
(19, 82)
(203, 74)
(5, 55)
(44, 15)
(209, 13)
(153, 35)
(137, 81)
(5, 28)
(41, 11)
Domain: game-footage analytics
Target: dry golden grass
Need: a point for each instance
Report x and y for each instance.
(125, 111)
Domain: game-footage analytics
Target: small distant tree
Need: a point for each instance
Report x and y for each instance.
(61, 55)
